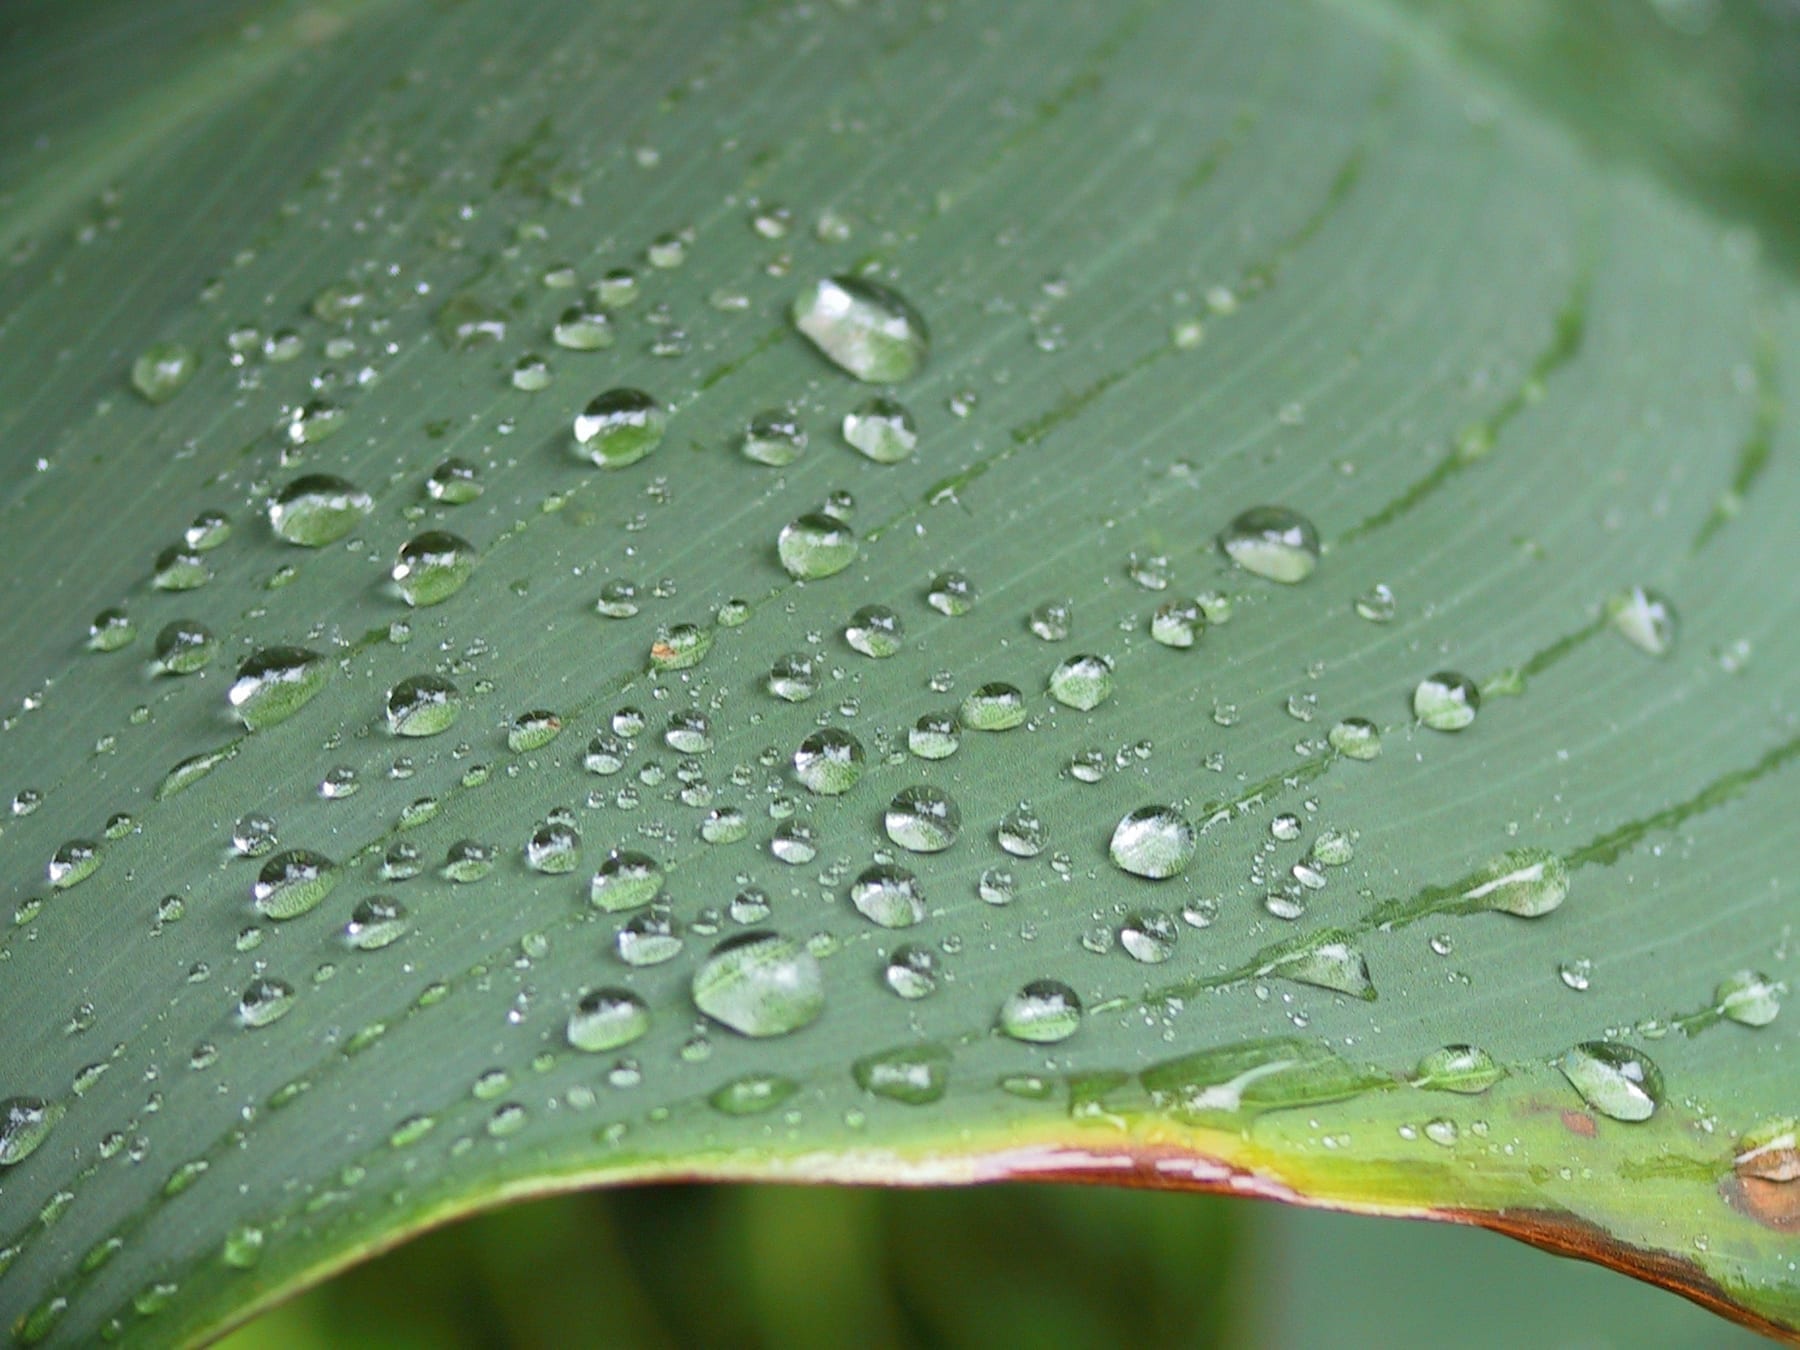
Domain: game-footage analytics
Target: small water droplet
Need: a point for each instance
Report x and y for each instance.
(1646, 619)
(1466, 1069)
(25, 1122)
(914, 1075)
(911, 972)
(292, 883)
(264, 1001)
(882, 430)
(995, 706)
(875, 630)
(951, 593)
(775, 438)
(1082, 682)
(1356, 738)
(376, 922)
(829, 762)
(1749, 998)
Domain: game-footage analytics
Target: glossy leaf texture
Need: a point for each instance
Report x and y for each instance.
(1282, 683)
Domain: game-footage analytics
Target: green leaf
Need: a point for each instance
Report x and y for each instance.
(329, 853)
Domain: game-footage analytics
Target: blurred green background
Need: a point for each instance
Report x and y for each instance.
(1015, 1266)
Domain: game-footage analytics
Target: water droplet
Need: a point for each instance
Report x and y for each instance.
(582, 328)
(867, 330)
(1616, 1080)
(455, 481)
(264, 1001)
(934, 736)
(914, 1075)
(553, 849)
(829, 762)
(775, 438)
(760, 984)
(649, 937)
(911, 972)
(1525, 881)
(177, 569)
(1043, 1012)
(816, 545)
(923, 819)
(951, 593)
(620, 427)
(1272, 542)
(753, 1094)
(433, 566)
(467, 861)
(292, 883)
(253, 835)
(605, 1019)
(1021, 833)
(162, 371)
(423, 705)
(1154, 841)
(1149, 935)
(1377, 604)
(243, 1247)
(995, 706)
(318, 509)
(1177, 624)
(1082, 682)
(74, 861)
(184, 647)
(881, 429)
(626, 880)
(1457, 1068)
(682, 646)
(1446, 701)
(376, 922)
(530, 373)
(310, 423)
(110, 630)
(875, 630)
(1051, 621)
(1646, 619)
(793, 678)
(888, 896)
(1356, 738)
(533, 730)
(1326, 963)
(25, 1122)
(1749, 998)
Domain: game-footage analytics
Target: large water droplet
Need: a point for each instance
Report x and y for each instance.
(25, 1122)
(318, 509)
(74, 861)
(995, 706)
(760, 984)
(620, 427)
(274, 683)
(264, 1001)
(184, 647)
(377, 921)
(1272, 542)
(1331, 963)
(1616, 1080)
(866, 329)
(1446, 701)
(1749, 998)
(875, 630)
(1154, 841)
(1356, 738)
(1524, 881)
